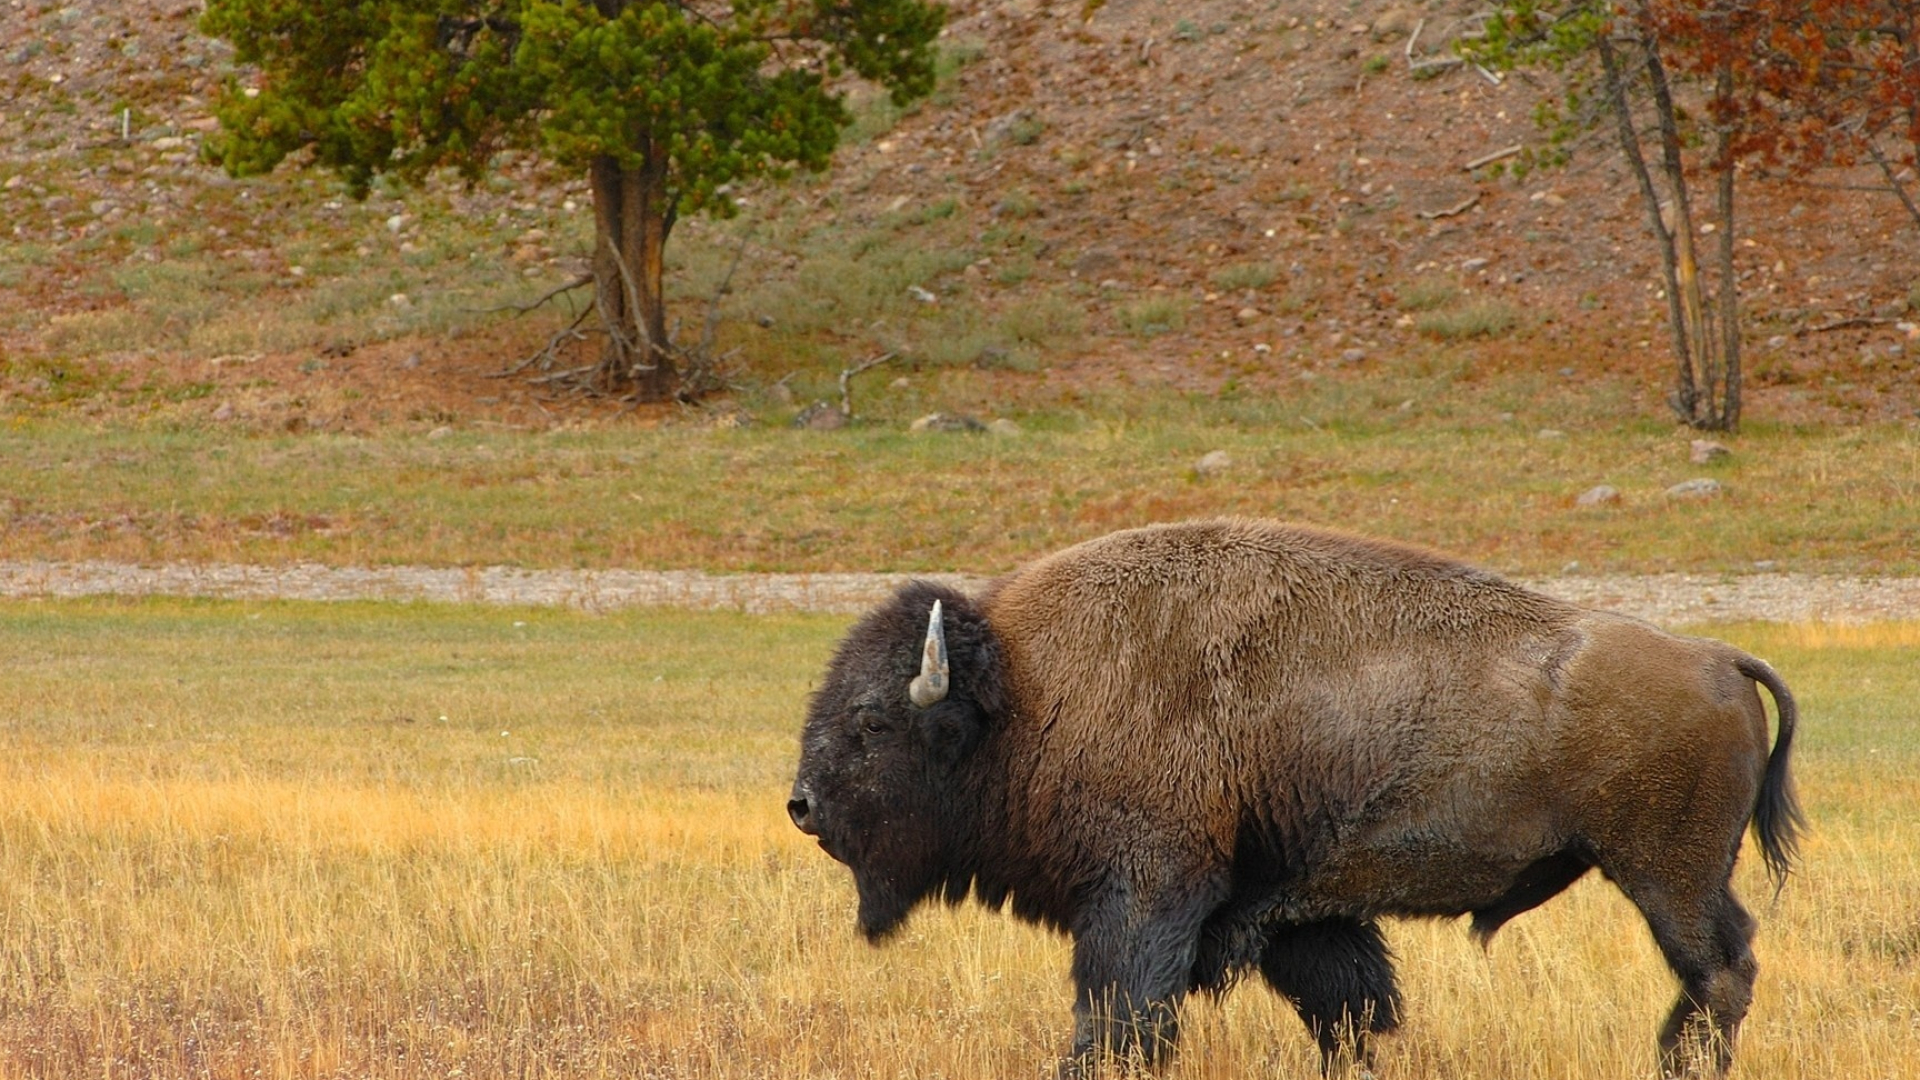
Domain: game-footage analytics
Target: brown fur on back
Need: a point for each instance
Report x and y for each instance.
(1194, 684)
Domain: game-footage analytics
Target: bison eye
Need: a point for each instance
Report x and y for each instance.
(871, 719)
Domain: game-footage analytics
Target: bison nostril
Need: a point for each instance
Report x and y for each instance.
(801, 813)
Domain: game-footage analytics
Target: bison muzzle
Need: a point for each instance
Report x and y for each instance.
(1209, 749)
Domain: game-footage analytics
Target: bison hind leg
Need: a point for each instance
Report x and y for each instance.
(1339, 977)
(1711, 951)
(1540, 882)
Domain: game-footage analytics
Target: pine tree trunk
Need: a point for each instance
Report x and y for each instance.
(632, 218)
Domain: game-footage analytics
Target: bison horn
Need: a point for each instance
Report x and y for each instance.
(931, 684)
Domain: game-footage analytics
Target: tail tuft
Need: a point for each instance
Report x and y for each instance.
(1777, 820)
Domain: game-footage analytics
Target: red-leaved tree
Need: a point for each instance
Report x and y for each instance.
(1693, 88)
(1820, 82)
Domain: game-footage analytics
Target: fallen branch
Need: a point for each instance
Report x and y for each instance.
(1460, 207)
(846, 380)
(563, 376)
(1497, 155)
(1845, 324)
(523, 309)
(544, 356)
(1426, 63)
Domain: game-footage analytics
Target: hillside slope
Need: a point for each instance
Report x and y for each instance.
(1272, 183)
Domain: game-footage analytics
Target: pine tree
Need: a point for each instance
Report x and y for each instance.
(663, 104)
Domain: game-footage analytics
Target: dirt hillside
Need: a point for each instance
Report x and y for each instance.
(1151, 146)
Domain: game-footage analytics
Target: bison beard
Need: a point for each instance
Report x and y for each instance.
(1211, 749)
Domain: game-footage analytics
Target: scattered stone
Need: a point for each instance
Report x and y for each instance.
(1706, 450)
(1353, 356)
(941, 421)
(224, 412)
(1471, 265)
(922, 295)
(1600, 495)
(1213, 464)
(1700, 487)
(900, 383)
(1246, 315)
(1004, 428)
(1549, 433)
(440, 432)
(821, 416)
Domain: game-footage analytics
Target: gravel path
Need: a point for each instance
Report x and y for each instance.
(1661, 598)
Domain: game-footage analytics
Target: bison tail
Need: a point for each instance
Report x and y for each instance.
(1777, 820)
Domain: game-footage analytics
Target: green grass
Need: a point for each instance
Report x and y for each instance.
(1428, 293)
(878, 498)
(1251, 275)
(311, 840)
(1473, 319)
(1153, 316)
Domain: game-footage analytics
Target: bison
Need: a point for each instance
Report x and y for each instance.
(1220, 747)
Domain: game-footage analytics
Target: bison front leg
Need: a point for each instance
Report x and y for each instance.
(1339, 977)
(1132, 957)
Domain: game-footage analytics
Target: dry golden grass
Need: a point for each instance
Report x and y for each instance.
(241, 840)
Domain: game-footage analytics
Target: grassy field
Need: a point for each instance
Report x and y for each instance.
(1496, 491)
(243, 840)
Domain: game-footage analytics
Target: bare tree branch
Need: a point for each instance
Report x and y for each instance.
(846, 380)
(524, 309)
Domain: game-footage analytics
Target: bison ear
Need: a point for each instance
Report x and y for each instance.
(951, 731)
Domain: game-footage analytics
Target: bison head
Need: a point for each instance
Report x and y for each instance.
(884, 780)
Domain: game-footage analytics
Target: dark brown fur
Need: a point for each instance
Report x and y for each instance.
(1219, 747)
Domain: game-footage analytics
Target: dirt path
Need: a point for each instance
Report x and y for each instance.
(1662, 598)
